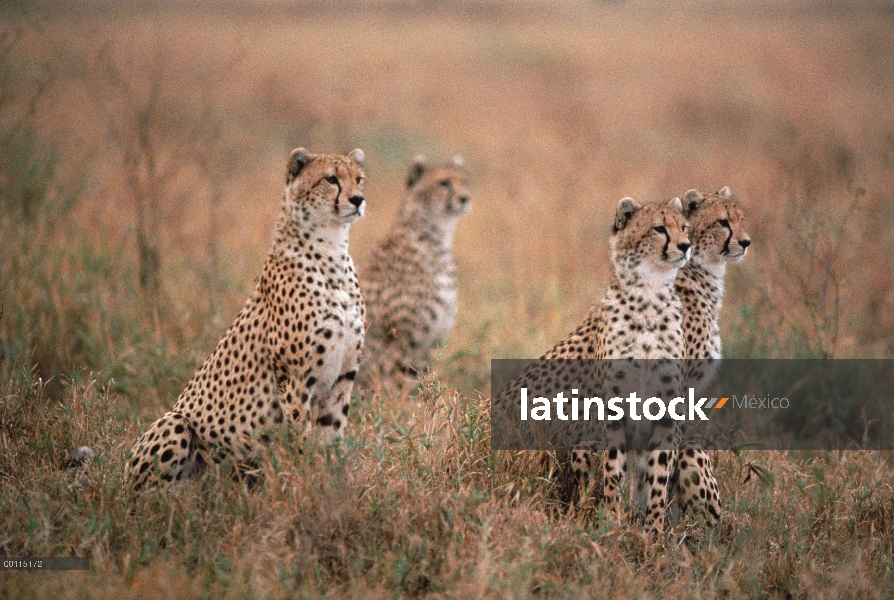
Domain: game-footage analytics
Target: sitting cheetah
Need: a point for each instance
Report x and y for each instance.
(409, 283)
(718, 237)
(639, 317)
(293, 351)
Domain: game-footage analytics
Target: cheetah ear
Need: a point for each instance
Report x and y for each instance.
(725, 192)
(458, 161)
(298, 159)
(416, 171)
(677, 204)
(626, 208)
(691, 200)
(357, 155)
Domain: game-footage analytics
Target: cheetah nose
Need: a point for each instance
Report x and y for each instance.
(356, 200)
(684, 246)
(463, 199)
(745, 243)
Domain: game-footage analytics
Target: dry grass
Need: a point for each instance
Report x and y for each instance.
(560, 111)
(413, 502)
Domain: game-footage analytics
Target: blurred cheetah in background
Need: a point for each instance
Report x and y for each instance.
(292, 352)
(639, 317)
(718, 237)
(409, 282)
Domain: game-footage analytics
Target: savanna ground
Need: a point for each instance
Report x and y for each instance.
(142, 153)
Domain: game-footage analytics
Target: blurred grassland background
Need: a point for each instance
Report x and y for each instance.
(142, 156)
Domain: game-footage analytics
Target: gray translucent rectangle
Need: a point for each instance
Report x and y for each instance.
(38, 563)
(779, 404)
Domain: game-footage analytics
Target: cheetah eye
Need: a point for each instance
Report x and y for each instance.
(660, 229)
(445, 182)
(332, 179)
(359, 180)
(723, 223)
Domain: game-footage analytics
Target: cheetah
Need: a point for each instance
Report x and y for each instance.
(409, 282)
(718, 237)
(640, 317)
(292, 353)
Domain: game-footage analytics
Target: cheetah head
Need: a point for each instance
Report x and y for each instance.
(437, 192)
(324, 189)
(718, 227)
(651, 237)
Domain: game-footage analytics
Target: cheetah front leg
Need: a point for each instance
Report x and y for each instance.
(614, 468)
(694, 485)
(332, 410)
(398, 355)
(296, 401)
(584, 461)
(660, 467)
(314, 395)
(586, 466)
(307, 404)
